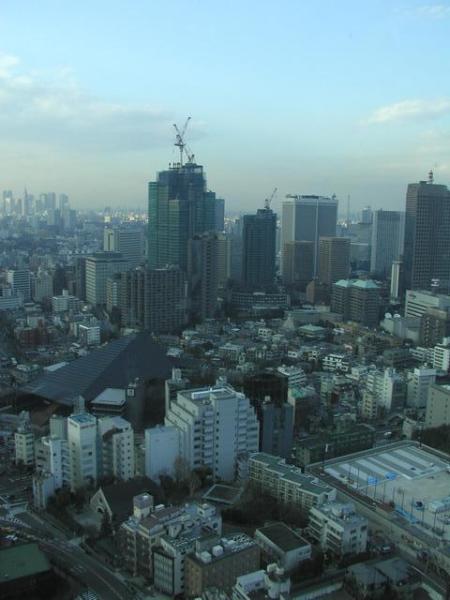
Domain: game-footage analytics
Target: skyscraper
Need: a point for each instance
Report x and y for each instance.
(203, 275)
(129, 241)
(258, 258)
(307, 218)
(298, 263)
(427, 235)
(334, 259)
(388, 232)
(179, 206)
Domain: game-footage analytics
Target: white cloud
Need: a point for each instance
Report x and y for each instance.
(411, 109)
(434, 11)
(56, 111)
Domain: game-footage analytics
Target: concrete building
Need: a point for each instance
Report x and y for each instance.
(338, 528)
(296, 376)
(388, 387)
(162, 449)
(24, 446)
(129, 241)
(438, 406)
(65, 303)
(277, 428)
(83, 447)
(203, 275)
(153, 299)
(99, 267)
(272, 583)
(216, 425)
(334, 259)
(356, 300)
(418, 302)
(89, 335)
(219, 564)
(427, 235)
(20, 282)
(419, 381)
(42, 285)
(388, 231)
(278, 543)
(116, 458)
(52, 458)
(434, 325)
(140, 536)
(298, 263)
(307, 218)
(271, 475)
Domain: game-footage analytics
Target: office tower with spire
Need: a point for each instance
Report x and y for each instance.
(427, 236)
(258, 249)
(179, 207)
(308, 218)
(388, 231)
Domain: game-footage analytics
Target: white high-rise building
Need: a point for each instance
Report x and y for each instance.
(52, 458)
(99, 267)
(24, 446)
(162, 448)
(117, 448)
(217, 425)
(20, 281)
(388, 387)
(418, 384)
(82, 441)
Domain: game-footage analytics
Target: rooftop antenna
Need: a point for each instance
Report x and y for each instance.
(430, 176)
(181, 144)
(268, 201)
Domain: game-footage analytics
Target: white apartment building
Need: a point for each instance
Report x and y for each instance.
(438, 406)
(216, 425)
(419, 382)
(82, 443)
(441, 355)
(117, 448)
(296, 376)
(89, 335)
(388, 387)
(24, 446)
(162, 448)
(338, 528)
(271, 475)
(65, 302)
(52, 458)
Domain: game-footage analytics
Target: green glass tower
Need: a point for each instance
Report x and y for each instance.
(179, 207)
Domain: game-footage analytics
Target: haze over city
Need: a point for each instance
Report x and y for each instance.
(314, 98)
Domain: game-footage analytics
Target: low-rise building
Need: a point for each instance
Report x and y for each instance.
(271, 475)
(280, 544)
(438, 406)
(338, 528)
(220, 563)
(273, 583)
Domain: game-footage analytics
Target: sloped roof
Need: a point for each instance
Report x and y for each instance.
(113, 365)
(119, 496)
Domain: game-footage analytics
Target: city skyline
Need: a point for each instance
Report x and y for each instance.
(331, 99)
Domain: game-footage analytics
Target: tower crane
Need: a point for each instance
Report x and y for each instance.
(181, 144)
(268, 201)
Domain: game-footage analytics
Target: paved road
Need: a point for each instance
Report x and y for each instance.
(72, 559)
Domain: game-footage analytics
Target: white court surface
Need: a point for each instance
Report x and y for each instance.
(404, 475)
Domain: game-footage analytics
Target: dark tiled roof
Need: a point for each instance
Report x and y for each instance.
(282, 536)
(113, 365)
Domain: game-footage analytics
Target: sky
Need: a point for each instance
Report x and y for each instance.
(309, 96)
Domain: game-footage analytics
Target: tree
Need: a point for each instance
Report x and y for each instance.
(195, 483)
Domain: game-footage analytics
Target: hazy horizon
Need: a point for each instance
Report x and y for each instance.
(316, 98)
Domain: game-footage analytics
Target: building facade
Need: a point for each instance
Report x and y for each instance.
(258, 251)
(388, 232)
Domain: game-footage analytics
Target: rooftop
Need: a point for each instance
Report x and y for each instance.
(22, 560)
(282, 536)
(111, 396)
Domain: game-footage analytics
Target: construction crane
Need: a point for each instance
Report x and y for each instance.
(181, 144)
(268, 201)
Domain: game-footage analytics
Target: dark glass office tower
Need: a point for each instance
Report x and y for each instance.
(427, 236)
(179, 207)
(258, 257)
